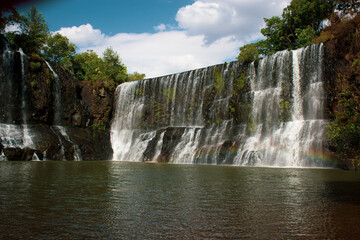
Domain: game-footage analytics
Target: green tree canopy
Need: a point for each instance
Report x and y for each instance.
(299, 24)
(34, 32)
(113, 67)
(89, 66)
(59, 50)
(249, 53)
(276, 33)
(135, 76)
(34, 37)
(304, 13)
(8, 16)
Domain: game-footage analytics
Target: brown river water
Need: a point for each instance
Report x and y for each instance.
(123, 200)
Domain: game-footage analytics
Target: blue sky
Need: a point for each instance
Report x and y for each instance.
(111, 16)
(159, 37)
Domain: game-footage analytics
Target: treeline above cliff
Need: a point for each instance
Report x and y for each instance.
(32, 35)
(300, 25)
(94, 78)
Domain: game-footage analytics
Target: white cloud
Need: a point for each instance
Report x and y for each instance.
(165, 27)
(220, 18)
(167, 52)
(84, 35)
(160, 27)
(13, 28)
(209, 32)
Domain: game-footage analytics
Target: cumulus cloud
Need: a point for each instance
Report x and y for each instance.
(84, 35)
(160, 27)
(163, 53)
(221, 18)
(209, 32)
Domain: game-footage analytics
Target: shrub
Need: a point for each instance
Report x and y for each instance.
(99, 126)
(35, 57)
(33, 84)
(218, 79)
(35, 66)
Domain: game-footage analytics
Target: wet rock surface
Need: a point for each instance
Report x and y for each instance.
(28, 111)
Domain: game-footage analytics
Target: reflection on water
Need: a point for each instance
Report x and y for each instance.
(63, 200)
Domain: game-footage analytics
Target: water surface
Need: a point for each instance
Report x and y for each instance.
(112, 200)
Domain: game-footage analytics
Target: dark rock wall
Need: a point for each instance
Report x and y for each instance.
(98, 101)
(343, 90)
(27, 97)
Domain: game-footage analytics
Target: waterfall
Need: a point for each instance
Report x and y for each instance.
(26, 130)
(59, 130)
(297, 109)
(59, 136)
(57, 96)
(15, 136)
(23, 87)
(11, 135)
(7, 100)
(35, 157)
(77, 151)
(2, 156)
(268, 113)
(15, 98)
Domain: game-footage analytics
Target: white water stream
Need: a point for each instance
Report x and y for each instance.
(59, 130)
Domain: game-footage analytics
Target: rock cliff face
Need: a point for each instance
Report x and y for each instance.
(99, 102)
(343, 90)
(46, 113)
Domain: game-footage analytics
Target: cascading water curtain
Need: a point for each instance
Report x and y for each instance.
(268, 113)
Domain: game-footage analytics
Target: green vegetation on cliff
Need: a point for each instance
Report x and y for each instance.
(34, 37)
(34, 31)
(59, 50)
(88, 80)
(89, 66)
(300, 24)
(343, 49)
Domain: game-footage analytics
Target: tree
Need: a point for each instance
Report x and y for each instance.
(87, 65)
(249, 53)
(33, 34)
(59, 50)
(277, 36)
(12, 18)
(305, 36)
(135, 76)
(303, 20)
(33, 25)
(304, 13)
(113, 67)
(300, 23)
(112, 57)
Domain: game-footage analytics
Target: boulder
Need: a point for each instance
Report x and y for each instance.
(19, 154)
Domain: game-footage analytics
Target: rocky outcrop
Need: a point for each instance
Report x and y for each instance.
(22, 154)
(28, 109)
(99, 101)
(343, 90)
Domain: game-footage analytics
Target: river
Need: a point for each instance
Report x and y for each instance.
(124, 200)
